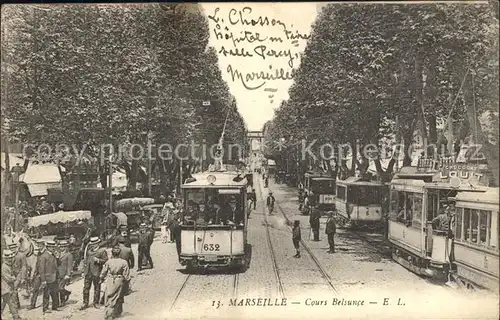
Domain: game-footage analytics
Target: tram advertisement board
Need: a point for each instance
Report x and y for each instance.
(467, 173)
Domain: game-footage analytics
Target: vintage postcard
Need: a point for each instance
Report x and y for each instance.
(292, 160)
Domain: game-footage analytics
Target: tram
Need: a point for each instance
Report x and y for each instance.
(418, 195)
(359, 203)
(476, 239)
(322, 189)
(214, 229)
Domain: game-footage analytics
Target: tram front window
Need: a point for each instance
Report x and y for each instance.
(212, 207)
(417, 209)
(364, 195)
(322, 186)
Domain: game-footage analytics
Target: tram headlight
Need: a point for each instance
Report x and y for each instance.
(211, 179)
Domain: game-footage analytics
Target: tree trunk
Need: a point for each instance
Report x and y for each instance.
(490, 151)
(132, 180)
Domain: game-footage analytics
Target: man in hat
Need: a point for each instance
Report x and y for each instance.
(442, 221)
(270, 203)
(36, 280)
(234, 212)
(20, 269)
(9, 283)
(123, 236)
(144, 246)
(48, 275)
(118, 274)
(330, 231)
(65, 268)
(94, 259)
(314, 223)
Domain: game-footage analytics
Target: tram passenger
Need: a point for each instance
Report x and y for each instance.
(210, 212)
(220, 215)
(202, 216)
(235, 213)
(442, 221)
(190, 216)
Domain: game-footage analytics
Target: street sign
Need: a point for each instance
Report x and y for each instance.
(206, 103)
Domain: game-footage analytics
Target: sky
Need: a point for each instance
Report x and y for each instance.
(263, 49)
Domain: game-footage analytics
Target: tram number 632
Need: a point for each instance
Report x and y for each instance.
(211, 247)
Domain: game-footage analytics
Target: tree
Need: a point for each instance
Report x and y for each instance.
(399, 66)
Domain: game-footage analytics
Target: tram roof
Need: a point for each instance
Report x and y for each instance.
(223, 179)
(448, 186)
(312, 174)
(359, 182)
(491, 195)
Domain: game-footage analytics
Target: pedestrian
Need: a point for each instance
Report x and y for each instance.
(314, 223)
(173, 222)
(36, 280)
(118, 273)
(65, 269)
(123, 229)
(301, 199)
(253, 198)
(128, 255)
(94, 258)
(9, 284)
(48, 276)
(296, 237)
(177, 235)
(144, 247)
(165, 231)
(270, 203)
(330, 231)
(20, 269)
(266, 181)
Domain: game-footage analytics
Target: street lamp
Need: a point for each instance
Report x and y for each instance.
(16, 171)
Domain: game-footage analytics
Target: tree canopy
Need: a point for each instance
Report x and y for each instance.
(376, 72)
(89, 75)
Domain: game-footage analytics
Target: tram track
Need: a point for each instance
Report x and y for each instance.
(320, 268)
(179, 291)
(236, 282)
(281, 288)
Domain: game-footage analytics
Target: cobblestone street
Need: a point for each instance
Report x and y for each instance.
(361, 270)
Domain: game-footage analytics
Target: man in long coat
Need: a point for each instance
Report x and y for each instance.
(48, 276)
(314, 222)
(145, 241)
(330, 231)
(36, 280)
(128, 255)
(9, 284)
(65, 268)
(93, 260)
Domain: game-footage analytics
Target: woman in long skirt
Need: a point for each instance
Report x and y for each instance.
(118, 274)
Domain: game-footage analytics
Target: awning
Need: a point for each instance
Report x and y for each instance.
(58, 217)
(122, 218)
(41, 173)
(130, 202)
(40, 189)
